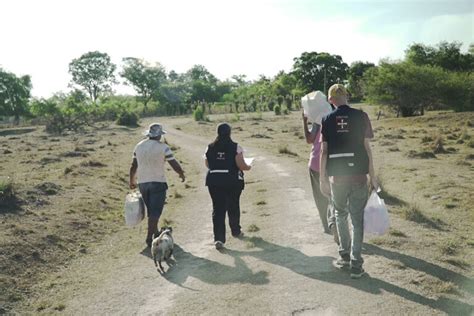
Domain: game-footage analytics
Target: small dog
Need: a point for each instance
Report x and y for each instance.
(162, 246)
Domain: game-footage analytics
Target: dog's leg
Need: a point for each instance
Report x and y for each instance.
(161, 267)
(154, 259)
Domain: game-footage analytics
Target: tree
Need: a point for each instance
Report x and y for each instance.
(14, 94)
(146, 79)
(203, 85)
(407, 87)
(93, 71)
(355, 74)
(317, 71)
(174, 96)
(445, 55)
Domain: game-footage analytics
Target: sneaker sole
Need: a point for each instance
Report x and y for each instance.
(340, 266)
(357, 276)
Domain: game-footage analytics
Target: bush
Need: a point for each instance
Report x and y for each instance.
(6, 190)
(277, 110)
(198, 114)
(128, 118)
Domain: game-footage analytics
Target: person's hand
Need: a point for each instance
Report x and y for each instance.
(305, 118)
(325, 187)
(132, 185)
(374, 183)
(181, 175)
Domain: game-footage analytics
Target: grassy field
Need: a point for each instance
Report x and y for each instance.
(59, 195)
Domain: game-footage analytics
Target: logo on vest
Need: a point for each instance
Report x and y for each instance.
(220, 155)
(342, 124)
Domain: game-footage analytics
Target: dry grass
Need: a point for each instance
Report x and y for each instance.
(284, 150)
(253, 228)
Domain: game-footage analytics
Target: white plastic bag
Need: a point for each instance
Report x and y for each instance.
(315, 106)
(376, 219)
(134, 209)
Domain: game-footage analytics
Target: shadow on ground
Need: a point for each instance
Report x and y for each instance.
(188, 265)
(16, 131)
(300, 263)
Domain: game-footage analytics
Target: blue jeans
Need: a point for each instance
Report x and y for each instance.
(350, 198)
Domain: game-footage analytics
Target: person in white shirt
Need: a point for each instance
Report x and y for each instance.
(148, 171)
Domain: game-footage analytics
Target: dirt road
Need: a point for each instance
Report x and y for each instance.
(283, 268)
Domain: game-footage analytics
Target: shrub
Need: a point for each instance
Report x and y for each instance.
(277, 109)
(198, 114)
(127, 118)
(438, 145)
(7, 191)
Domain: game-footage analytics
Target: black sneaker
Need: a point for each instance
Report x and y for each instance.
(239, 235)
(342, 262)
(357, 273)
(219, 245)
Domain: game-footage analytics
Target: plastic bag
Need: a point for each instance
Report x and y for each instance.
(376, 219)
(315, 106)
(134, 209)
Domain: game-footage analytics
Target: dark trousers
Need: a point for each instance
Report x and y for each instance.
(225, 199)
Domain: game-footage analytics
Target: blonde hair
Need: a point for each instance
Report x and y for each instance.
(337, 91)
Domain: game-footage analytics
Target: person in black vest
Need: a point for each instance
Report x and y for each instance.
(225, 181)
(346, 159)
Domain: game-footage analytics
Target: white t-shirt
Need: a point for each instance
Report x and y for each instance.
(151, 156)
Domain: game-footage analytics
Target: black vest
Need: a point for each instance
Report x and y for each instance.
(223, 170)
(344, 131)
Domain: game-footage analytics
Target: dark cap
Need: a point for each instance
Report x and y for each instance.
(223, 129)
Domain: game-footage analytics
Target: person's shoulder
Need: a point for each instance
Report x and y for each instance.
(140, 143)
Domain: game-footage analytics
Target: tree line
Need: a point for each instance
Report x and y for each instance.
(428, 77)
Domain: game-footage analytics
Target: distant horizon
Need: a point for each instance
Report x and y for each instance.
(228, 38)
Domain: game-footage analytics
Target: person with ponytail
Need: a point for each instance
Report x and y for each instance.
(225, 181)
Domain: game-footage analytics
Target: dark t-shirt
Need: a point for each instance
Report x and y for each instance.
(369, 133)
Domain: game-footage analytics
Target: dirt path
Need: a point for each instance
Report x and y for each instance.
(283, 268)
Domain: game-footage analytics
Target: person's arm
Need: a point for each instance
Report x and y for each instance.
(368, 135)
(133, 172)
(372, 178)
(177, 168)
(323, 177)
(240, 161)
(310, 136)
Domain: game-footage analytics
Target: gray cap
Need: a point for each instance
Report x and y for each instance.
(154, 130)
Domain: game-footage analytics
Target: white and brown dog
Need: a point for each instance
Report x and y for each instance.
(162, 246)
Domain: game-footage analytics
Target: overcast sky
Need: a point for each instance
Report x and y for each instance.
(253, 37)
